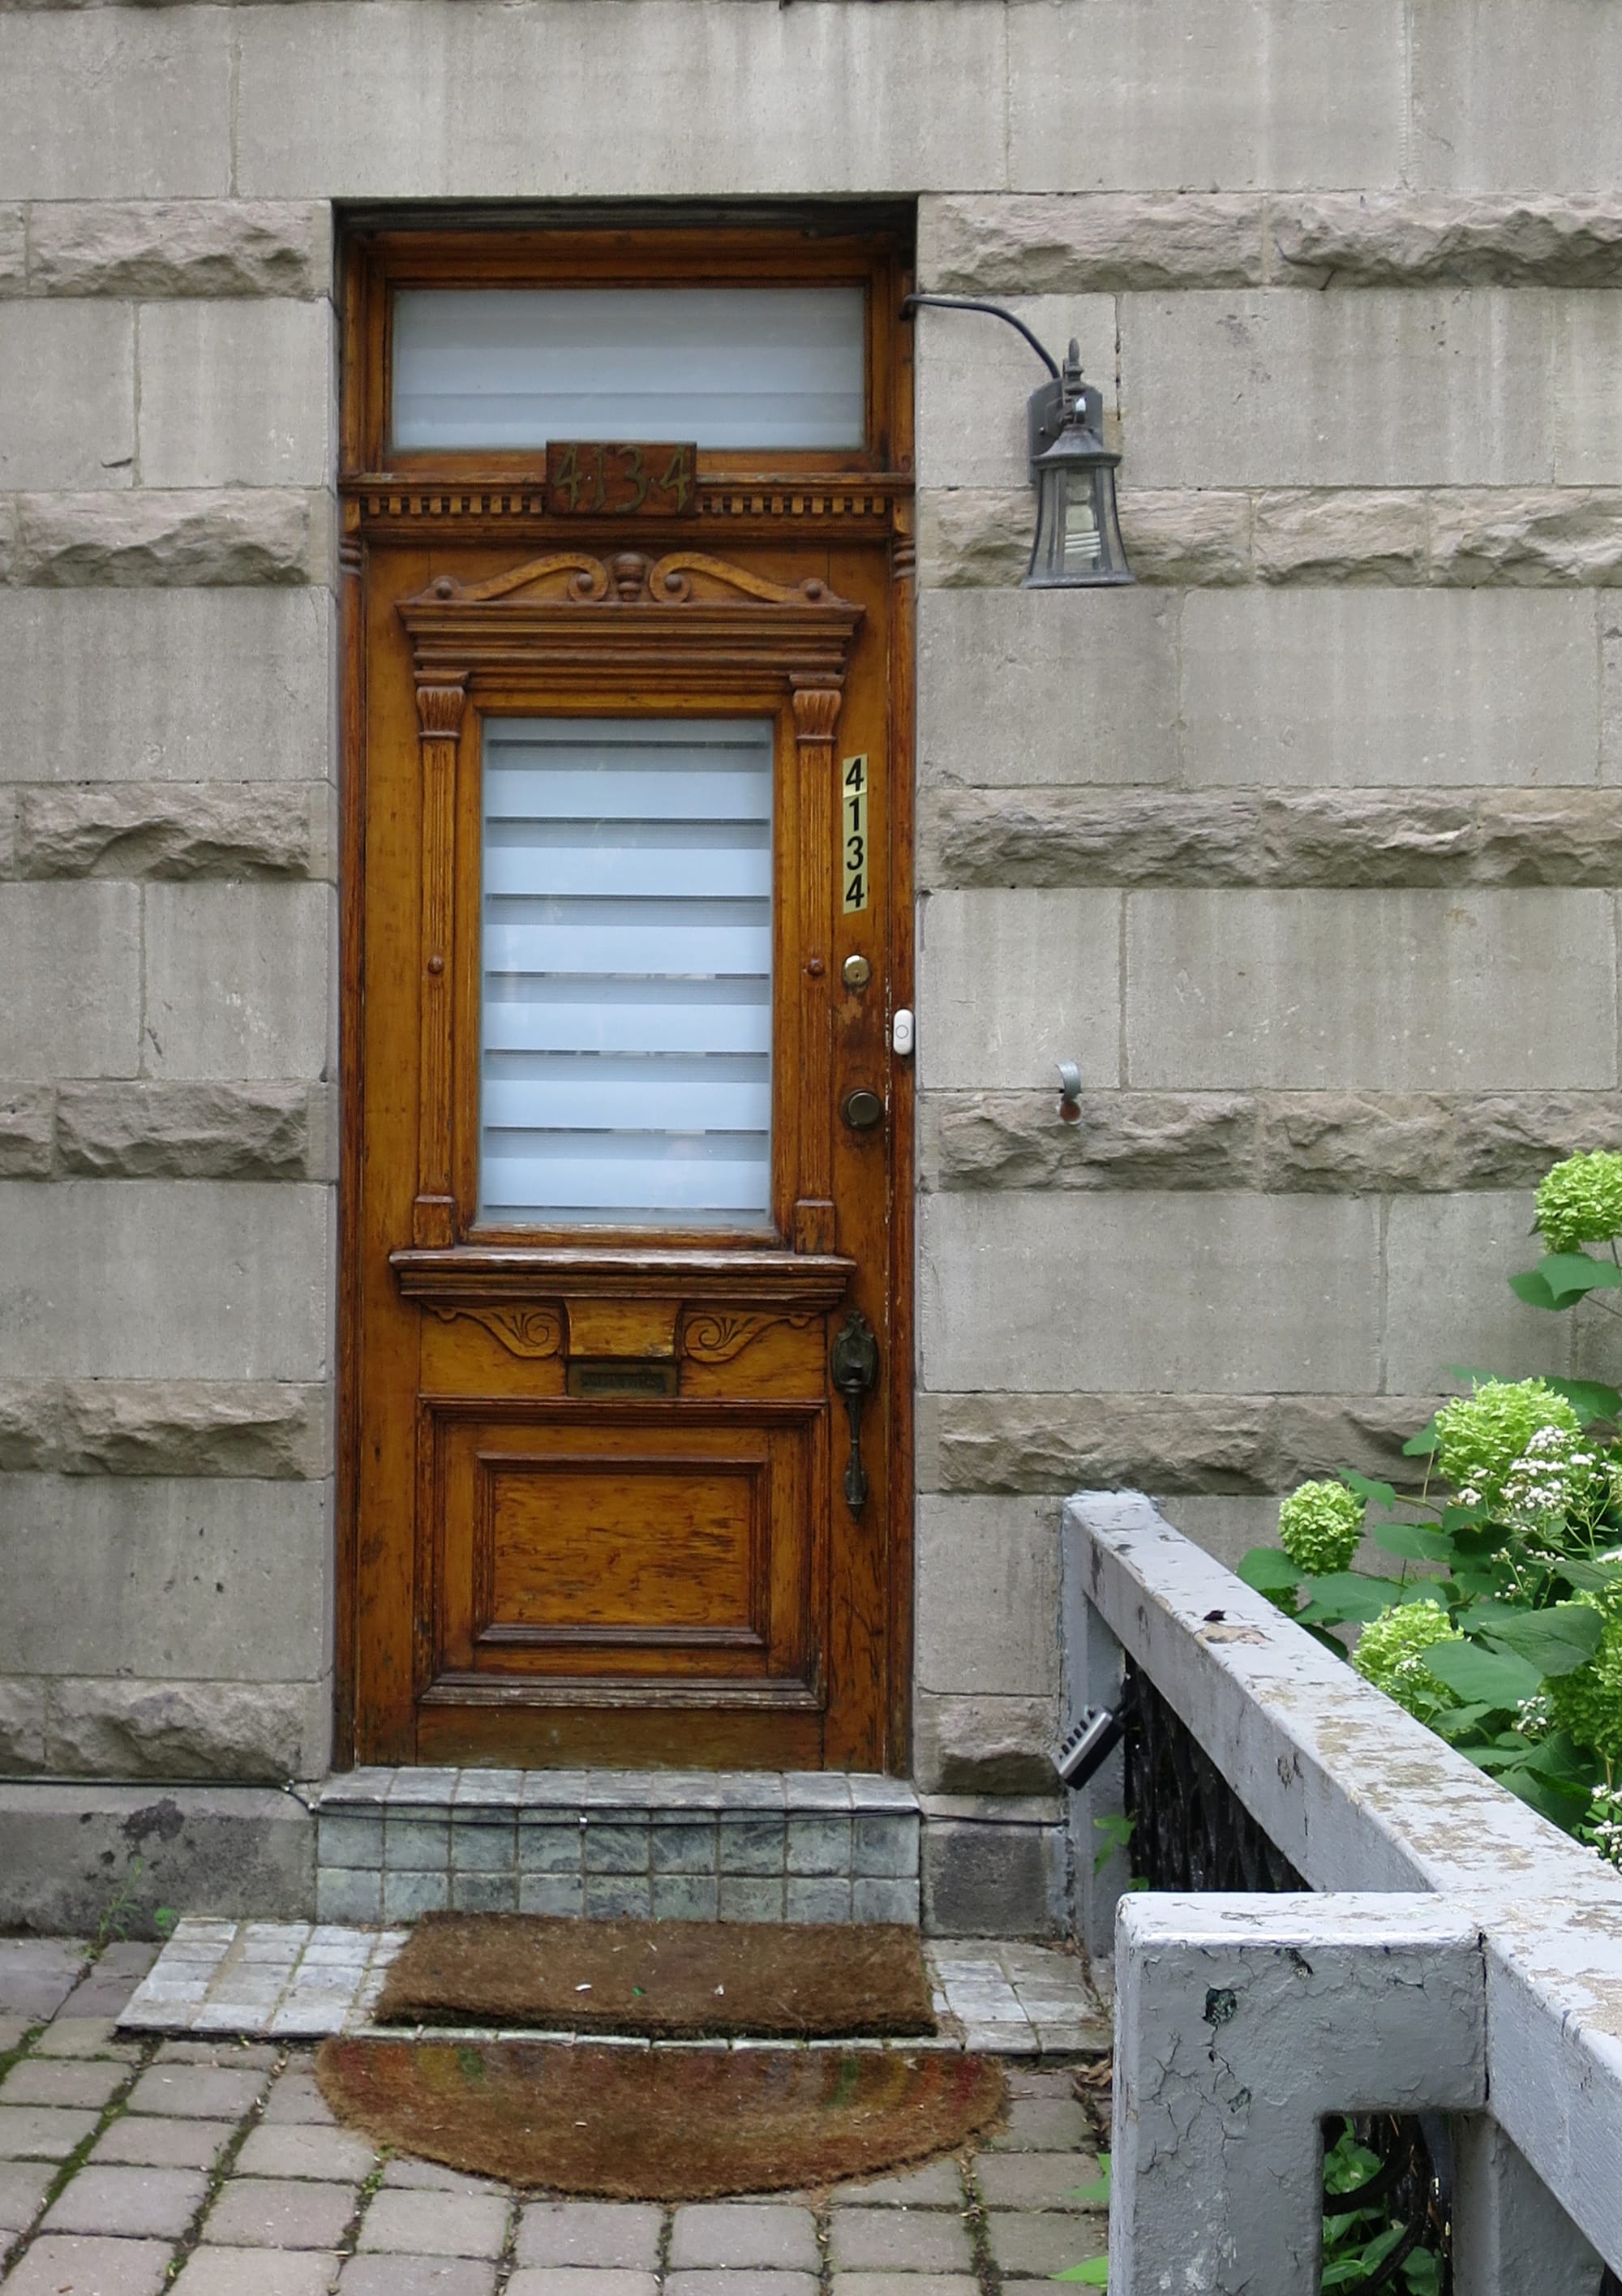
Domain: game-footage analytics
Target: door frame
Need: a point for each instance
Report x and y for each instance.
(863, 495)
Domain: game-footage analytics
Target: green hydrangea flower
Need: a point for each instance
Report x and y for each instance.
(1320, 1525)
(1580, 1201)
(1588, 1703)
(1481, 1436)
(1391, 1654)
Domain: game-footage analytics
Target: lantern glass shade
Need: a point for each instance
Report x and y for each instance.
(1078, 536)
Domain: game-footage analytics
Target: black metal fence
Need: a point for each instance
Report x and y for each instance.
(1189, 1831)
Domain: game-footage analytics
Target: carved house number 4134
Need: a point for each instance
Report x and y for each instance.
(605, 477)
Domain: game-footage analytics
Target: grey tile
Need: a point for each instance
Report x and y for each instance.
(686, 1898)
(196, 2092)
(1037, 2245)
(936, 2185)
(406, 1895)
(559, 1894)
(424, 1844)
(884, 1901)
(760, 2235)
(146, 2142)
(618, 1897)
(24, 2184)
(622, 2236)
(256, 2272)
(870, 1792)
(432, 1789)
(130, 2204)
(618, 1846)
(747, 1790)
(825, 1791)
(489, 1788)
(416, 2276)
(900, 2240)
(742, 2282)
(346, 1893)
(553, 1789)
(354, 1787)
(683, 1845)
(483, 1846)
(549, 1846)
(577, 2280)
(436, 2224)
(1037, 2180)
(329, 2155)
(105, 2267)
(746, 1897)
(884, 1846)
(818, 1845)
(751, 1844)
(823, 1897)
(484, 1893)
(63, 2080)
(270, 2212)
(345, 1839)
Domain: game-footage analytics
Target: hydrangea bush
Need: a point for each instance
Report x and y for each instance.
(1504, 1631)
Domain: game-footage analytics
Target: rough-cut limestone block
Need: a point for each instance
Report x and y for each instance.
(236, 393)
(22, 1727)
(1121, 1140)
(158, 707)
(1391, 387)
(1551, 837)
(1369, 837)
(1229, 1293)
(987, 1609)
(239, 980)
(971, 538)
(67, 382)
(1091, 243)
(266, 1131)
(73, 957)
(192, 1427)
(189, 1580)
(27, 1129)
(1420, 688)
(1529, 535)
(1090, 837)
(122, 103)
(488, 100)
(975, 376)
(12, 255)
(1060, 685)
(980, 1745)
(1341, 534)
(1510, 98)
(226, 1730)
(1447, 1260)
(1187, 535)
(1406, 1141)
(1185, 1442)
(174, 829)
(1392, 991)
(10, 546)
(1376, 239)
(248, 1853)
(150, 248)
(159, 1279)
(1237, 93)
(230, 535)
(980, 954)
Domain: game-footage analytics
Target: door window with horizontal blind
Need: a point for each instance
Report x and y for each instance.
(625, 972)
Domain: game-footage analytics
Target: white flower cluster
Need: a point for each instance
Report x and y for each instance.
(1534, 1717)
(1602, 1829)
(1547, 1481)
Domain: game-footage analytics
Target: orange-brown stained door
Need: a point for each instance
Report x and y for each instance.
(608, 1508)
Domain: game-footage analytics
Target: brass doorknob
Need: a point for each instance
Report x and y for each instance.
(862, 1109)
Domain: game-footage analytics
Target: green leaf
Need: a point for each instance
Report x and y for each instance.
(1422, 1445)
(1560, 1805)
(1563, 1278)
(1416, 1542)
(1097, 2196)
(1371, 1494)
(1455, 1723)
(1555, 1641)
(1269, 1570)
(1588, 1399)
(1346, 1595)
(1093, 2274)
(1498, 1678)
(1422, 2271)
(1591, 1577)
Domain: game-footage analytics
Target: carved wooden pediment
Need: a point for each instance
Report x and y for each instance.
(685, 611)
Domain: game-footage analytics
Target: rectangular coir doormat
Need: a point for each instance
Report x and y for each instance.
(668, 1979)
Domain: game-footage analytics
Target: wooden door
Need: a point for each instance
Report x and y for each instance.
(609, 1501)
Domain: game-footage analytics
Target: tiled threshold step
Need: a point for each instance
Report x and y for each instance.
(294, 1981)
(745, 1846)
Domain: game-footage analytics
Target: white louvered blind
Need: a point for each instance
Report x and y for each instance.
(722, 366)
(626, 1032)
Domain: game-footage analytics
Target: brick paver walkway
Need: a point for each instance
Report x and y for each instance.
(130, 2166)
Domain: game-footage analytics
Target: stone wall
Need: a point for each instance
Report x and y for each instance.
(1304, 849)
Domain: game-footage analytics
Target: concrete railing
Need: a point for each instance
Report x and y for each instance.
(1456, 1953)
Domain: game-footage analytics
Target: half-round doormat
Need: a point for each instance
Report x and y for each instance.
(668, 2124)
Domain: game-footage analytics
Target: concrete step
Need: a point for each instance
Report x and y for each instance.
(702, 1845)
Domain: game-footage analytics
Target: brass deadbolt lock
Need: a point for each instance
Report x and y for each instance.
(855, 972)
(862, 1109)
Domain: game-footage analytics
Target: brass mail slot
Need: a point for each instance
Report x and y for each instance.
(602, 1380)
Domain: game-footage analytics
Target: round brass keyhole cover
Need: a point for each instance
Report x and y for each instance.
(862, 1109)
(855, 972)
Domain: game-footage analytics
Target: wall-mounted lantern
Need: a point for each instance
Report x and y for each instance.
(1078, 541)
